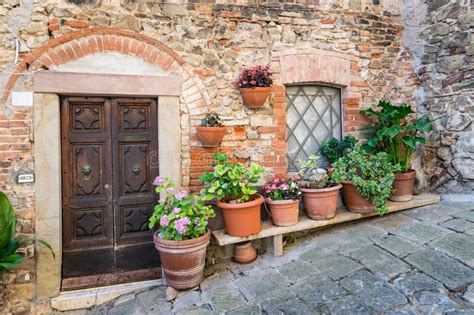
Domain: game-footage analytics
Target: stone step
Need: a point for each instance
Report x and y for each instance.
(305, 223)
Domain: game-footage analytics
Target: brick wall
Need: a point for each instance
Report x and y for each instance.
(355, 45)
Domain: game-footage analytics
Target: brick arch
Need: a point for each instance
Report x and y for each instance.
(75, 45)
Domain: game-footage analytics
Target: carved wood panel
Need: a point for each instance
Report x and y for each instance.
(107, 145)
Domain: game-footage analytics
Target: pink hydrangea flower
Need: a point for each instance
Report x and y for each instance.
(164, 221)
(158, 180)
(181, 224)
(181, 194)
(176, 210)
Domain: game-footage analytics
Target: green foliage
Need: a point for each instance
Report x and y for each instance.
(334, 149)
(371, 174)
(230, 180)
(211, 120)
(312, 175)
(8, 245)
(179, 216)
(395, 132)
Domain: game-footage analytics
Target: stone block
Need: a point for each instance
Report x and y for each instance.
(416, 282)
(297, 270)
(224, 298)
(398, 246)
(335, 266)
(290, 306)
(261, 285)
(456, 245)
(318, 290)
(421, 233)
(346, 305)
(458, 225)
(466, 215)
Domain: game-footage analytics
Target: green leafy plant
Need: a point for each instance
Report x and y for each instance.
(179, 216)
(312, 175)
(395, 132)
(211, 120)
(232, 181)
(9, 258)
(371, 174)
(334, 149)
(8, 245)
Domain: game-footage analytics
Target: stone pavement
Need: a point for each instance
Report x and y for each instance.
(418, 261)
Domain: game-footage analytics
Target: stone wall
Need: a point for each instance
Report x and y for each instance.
(441, 38)
(356, 45)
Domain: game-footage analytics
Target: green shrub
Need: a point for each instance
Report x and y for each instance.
(232, 181)
(8, 245)
(371, 174)
(334, 149)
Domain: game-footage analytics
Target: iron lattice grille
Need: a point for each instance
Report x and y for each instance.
(313, 115)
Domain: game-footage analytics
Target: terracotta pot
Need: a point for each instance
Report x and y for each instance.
(183, 261)
(255, 97)
(210, 137)
(403, 186)
(354, 202)
(242, 219)
(321, 204)
(284, 212)
(244, 253)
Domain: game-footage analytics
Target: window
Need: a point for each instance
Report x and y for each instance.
(313, 115)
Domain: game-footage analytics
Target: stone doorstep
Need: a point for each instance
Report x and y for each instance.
(305, 223)
(87, 298)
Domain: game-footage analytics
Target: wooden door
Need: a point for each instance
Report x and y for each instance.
(109, 160)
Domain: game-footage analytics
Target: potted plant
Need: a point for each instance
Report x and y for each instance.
(396, 132)
(255, 85)
(211, 131)
(181, 235)
(334, 149)
(282, 195)
(366, 179)
(319, 193)
(231, 184)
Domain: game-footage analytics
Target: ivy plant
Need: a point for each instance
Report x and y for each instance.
(334, 149)
(371, 174)
(395, 132)
(232, 181)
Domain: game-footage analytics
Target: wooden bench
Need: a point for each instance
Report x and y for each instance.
(305, 223)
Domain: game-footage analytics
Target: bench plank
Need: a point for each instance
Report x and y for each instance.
(305, 223)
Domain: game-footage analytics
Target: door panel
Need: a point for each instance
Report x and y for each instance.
(107, 184)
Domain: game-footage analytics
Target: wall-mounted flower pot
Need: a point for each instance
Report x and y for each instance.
(242, 219)
(354, 201)
(210, 137)
(255, 97)
(183, 261)
(403, 186)
(321, 204)
(284, 212)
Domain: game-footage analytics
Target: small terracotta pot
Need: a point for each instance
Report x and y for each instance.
(354, 202)
(284, 212)
(255, 97)
(403, 186)
(244, 253)
(242, 219)
(210, 137)
(183, 261)
(321, 204)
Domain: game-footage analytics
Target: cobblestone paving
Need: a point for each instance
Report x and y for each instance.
(418, 261)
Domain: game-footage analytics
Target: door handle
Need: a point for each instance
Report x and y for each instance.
(86, 170)
(136, 169)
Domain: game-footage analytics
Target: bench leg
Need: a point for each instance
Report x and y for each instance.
(278, 245)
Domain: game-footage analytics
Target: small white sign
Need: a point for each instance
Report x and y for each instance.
(26, 178)
(22, 98)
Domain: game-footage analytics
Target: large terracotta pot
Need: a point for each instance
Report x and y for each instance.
(321, 204)
(354, 202)
(183, 261)
(242, 219)
(255, 97)
(210, 137)
(284, 212)
(403, 186)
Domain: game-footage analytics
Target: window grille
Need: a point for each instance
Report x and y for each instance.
(313, 115)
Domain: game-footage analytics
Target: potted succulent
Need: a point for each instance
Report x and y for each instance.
(396, 133)
(319, 193)
(211, 131)
(231, 184)
(282, 195)
(181, 235)
(334, 149)
(366, 179)
(255, 85)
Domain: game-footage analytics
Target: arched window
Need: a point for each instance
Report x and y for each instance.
(313, 115)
